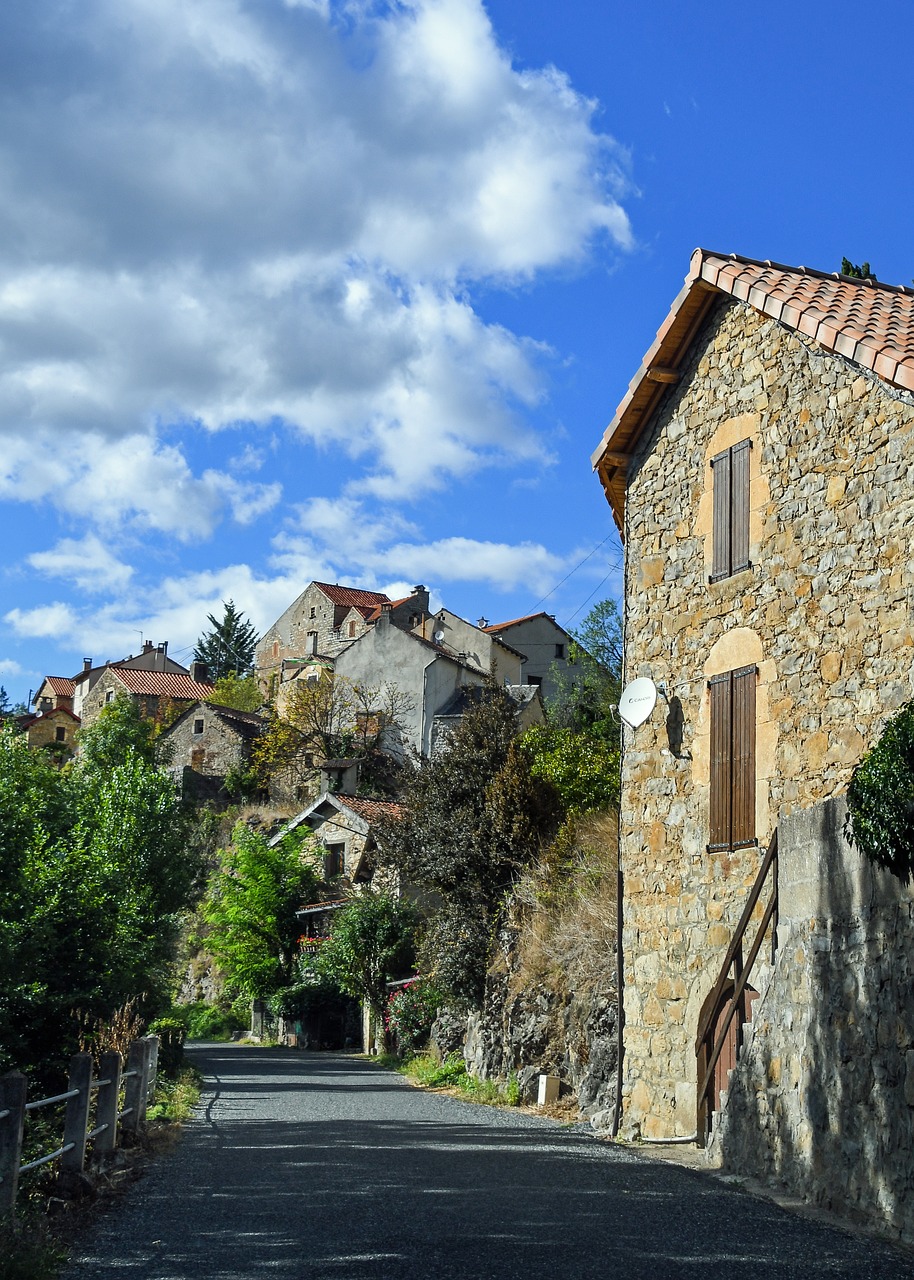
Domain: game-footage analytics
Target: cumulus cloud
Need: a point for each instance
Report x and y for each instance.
(87, 562)
(214, 213)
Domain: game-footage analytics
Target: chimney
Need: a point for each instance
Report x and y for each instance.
(199, 671)
(87, 664)
(384, 616)
(147, 646)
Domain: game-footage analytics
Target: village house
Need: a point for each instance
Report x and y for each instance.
(208, 743)
(158, 693)
(760, 470)
(54, 730)
(547, 648)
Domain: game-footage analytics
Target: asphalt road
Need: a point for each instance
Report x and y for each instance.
(321, 1166)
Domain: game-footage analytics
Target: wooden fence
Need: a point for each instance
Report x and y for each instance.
(136, 1081)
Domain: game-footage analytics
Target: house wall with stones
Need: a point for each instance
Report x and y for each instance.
(824, 613)
(822, 1098)
(311, 624)
(55, 728)
(208, 743)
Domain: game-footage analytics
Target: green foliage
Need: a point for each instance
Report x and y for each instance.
(586, 692)
(240, 692)
(229, 647)
(583, 768)
(202, 1021)
(880, 798)
(172, 1034)
(861, 272)
(118, 729)
(452, 1074)
(94, 872)
(411, 1010)
(371, 942)
(474, 814)
(8, 708)
(176, 1097)
(251, 906)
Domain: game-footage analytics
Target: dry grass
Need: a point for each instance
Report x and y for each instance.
(104, 1035)
(566, 910)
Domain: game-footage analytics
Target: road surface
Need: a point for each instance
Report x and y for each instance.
(324, 1167)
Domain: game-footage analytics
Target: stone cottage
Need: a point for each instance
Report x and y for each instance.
(207, 743)
(156, 692)
(760, 469)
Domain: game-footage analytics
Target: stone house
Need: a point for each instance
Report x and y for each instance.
(344, 825)
(53, 692)
(759, 469)
(208, 742)
(54, 730)
(547, 648)
(322, 622)
(158, 693)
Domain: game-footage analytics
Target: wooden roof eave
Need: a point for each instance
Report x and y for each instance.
(659, 371)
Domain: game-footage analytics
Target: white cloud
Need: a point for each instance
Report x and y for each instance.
(9, 667)
(275, 214)
(87, 563)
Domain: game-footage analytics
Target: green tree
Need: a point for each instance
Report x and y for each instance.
(251, 906)
(8, 708)
(473, 816)
(240, 692)
(96, 868)
(229, 647)
(861, 272)
(371, 942)
(590, 686)
(880, 798)
(583, 767)
(119, 729)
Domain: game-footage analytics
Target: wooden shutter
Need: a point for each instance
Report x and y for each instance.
(721, 716)
(739, 506)
(720, 468)
(742, 817)
(730, 479)
(732, 811)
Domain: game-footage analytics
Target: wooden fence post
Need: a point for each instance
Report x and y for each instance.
(153, 1066)
(135, 1088)
(76, 1117)
(109, 1096)
(13, 1088)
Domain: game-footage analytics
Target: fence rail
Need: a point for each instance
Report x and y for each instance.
(137, 1082)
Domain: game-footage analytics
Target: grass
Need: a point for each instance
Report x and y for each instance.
(175, 1099)
(452, 1074)
(31, 1252)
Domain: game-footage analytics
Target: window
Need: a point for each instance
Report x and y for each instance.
(109, 695)
(312, 642)
(313, 613)
(733, 759)
(60, 734)
(537, 680)
(560, 651)
(198, 726)
(351, 629)
(333, 861)
(731, 510)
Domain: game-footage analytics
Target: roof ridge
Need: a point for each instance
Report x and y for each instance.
(871, 282)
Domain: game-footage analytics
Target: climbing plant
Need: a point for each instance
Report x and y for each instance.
(880, 798)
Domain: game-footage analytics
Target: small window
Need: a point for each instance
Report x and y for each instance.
(198, 726)
(560, 651)
(275, 648)
(109, 695)
(312, 642)
(537, 680)
(352, 630)
(60, 734)
(333, 861)
(313, 613)
(730, 470)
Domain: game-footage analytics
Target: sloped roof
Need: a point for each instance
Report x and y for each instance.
(351, 597)
(166, 684)
(62, 685)
(495, 627)
(370, 810)
(865, 321)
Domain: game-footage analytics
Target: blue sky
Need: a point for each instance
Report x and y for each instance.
(296, 289)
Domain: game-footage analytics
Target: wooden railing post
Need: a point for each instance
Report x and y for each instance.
(106, 1109)
(13, 1088)
(152, 1066)
(134, 1090)
(76, 1117)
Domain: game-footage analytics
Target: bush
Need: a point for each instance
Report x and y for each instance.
(172, 1033)
(411, 1010)
(880, 798)
(204, 1021)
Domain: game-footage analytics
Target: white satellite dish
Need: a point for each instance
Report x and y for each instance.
(637, 701)
(439, 636)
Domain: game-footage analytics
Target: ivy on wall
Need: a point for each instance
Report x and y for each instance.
(880, 798)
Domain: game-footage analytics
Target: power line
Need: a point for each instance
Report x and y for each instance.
(573, 571)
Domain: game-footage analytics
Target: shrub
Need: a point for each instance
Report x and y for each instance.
(411, 1010)
(880, 798)
(172, 1034)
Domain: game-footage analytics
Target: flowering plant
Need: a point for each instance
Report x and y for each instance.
(411, 1010)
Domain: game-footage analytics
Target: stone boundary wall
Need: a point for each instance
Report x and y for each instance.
(822, 1100)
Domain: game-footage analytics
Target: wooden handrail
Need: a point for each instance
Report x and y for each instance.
(709, 1046)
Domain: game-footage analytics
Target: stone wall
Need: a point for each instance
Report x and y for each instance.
(822, 1099)
(824, 613)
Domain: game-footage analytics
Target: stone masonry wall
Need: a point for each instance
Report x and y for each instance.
(824, 612)
(822, 1099)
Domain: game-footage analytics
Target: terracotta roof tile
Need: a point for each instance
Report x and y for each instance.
(167, 684)
(62, 685)
(503, 626)
(350, 597)
(370, 810)
(866, 321)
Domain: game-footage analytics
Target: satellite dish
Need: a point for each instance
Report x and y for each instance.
(439, 637)
(637, 701)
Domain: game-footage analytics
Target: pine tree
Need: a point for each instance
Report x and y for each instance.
(229, 648)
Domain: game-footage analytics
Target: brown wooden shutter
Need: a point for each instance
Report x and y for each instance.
(720, 468)
(721, 717)
(732, 809)
(742, 830)
(739, 506)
